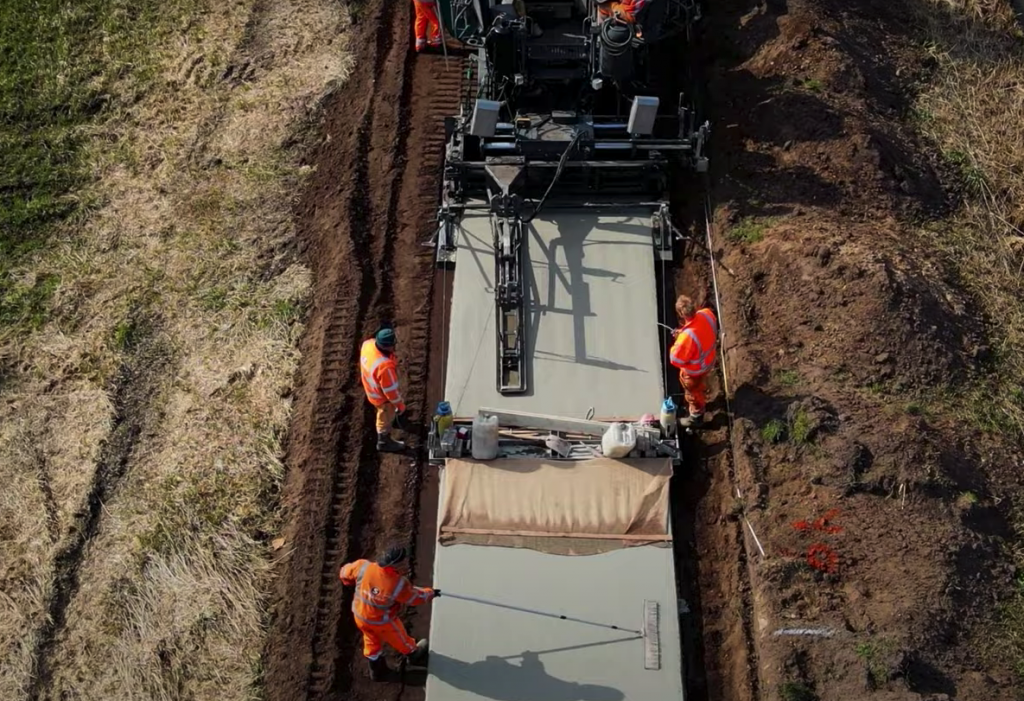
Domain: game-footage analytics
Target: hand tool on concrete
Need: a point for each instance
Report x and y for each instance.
(498, 604)
(649, 634)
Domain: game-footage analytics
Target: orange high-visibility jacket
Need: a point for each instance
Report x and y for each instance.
(627, 9)
(380, 376)
(380, 591)
(694, 349)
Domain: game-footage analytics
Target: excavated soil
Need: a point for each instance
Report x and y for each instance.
(835, 315)
(846, 339)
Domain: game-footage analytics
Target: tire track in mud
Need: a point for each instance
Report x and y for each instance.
(134, 392)
(435, 92)
(360, 235)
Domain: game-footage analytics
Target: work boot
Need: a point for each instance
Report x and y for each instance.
(386, 444)
(418, 657)
(379, 670)
(692, 421)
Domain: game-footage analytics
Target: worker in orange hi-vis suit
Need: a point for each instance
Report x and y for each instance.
(426, 15)
(627, 10)
(693, 352)
(381, 592)
(379, 371)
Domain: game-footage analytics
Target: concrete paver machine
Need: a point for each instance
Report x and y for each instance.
(578, 106)
(554, 443)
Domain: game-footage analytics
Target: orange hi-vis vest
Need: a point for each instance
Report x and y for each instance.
(380, 375)
(380, 592)
(694, 349)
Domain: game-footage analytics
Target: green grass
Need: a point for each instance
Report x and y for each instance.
(24, 304)
(796, 691)
(873, 653)
(814, 85)
(967, 499)
(1010, 635)
(774, 431)
(970, 173)
(800, 430)
(749, 230)
(788, 377)
(59, 63)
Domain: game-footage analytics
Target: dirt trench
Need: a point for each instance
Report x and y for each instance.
(363, 222)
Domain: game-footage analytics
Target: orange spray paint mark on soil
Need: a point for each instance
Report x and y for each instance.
(820, 556)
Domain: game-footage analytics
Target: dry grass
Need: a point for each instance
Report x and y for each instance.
(974, 108)
(45, 477)
(191, 230)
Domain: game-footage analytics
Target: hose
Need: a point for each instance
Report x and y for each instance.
(615, 49)
(558, 174)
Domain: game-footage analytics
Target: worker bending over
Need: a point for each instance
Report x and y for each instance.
(379, 370)
(693, 352)
(426, 15)
(381, 592)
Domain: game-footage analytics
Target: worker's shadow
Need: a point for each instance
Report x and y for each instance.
(498, 678)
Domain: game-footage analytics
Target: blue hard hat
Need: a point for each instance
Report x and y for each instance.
(385, 338)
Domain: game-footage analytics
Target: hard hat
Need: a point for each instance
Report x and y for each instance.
(392, 556)
(385, 338)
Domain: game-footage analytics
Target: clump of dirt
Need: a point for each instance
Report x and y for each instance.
(880, 541)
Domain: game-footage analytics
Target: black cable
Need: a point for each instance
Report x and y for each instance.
(558, 172)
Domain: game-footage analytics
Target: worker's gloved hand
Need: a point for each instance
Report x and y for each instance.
(402, 420)
(437, 593)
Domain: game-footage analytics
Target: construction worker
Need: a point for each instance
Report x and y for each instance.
(381, 592)
(426, 14)
(693, 352)
(379, 371)
(626, 10)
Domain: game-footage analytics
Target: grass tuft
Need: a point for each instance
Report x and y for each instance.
(802, 425)
(796, 691)
(774, 431)
(967, 499)
(874, 654)
(748, 230)
(788, 377)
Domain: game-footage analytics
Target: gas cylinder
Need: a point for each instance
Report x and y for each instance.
(443, 417)
(668, 418)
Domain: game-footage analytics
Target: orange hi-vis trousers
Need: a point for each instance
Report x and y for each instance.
(426, 14)
(694, 392)
(392, 633)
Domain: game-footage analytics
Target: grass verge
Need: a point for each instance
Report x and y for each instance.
(973, 108)
(151, 174)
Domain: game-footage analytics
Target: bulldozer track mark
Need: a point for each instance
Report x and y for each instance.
(364, 219)
(134, 391)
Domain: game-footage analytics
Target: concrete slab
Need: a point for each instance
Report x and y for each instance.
(480, 652)
(592, 336)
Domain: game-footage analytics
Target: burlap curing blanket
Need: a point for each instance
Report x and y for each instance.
(559, 507)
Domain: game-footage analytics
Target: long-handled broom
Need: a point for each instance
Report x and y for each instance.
(650, 633)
